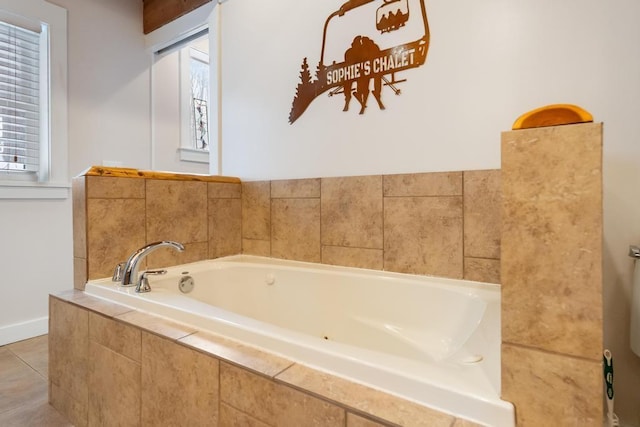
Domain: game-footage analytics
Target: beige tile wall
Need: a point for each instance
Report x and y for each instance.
(225, 219)
(443, 224)
(180, 385)
(69, 361)
(139, 370)
(552, 274)
(114, 216)
(79, 206)
(132, 377)
(256, 217)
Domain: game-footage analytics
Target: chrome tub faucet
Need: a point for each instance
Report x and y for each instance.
(129, 273)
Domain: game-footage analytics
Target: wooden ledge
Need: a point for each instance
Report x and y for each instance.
(172, 176)
(553, 115)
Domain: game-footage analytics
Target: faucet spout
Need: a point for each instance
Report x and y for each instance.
(131, 267)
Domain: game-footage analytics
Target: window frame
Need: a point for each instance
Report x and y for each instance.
(55, 185)
(205, 17)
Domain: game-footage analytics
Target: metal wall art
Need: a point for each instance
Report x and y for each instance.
(386, 37)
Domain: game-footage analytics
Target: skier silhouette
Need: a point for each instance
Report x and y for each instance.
(349, 58)
(362, 49)
(368, 50)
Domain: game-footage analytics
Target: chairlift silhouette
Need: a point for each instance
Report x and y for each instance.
(338, 76)
(392, 15)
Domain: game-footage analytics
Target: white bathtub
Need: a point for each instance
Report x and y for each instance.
(431, 340)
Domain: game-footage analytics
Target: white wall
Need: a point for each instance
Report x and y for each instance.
(109, 84)
(485, 67)
(488, 63)
(34, 263)
(25, 254)
(109, 119)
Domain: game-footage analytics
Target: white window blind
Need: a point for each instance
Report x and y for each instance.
(20, 100)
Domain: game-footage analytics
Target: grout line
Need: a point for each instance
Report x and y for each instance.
(146, 219)
(413, 196)
(242, 411)
(355, 247)
(24, 362)
(208, 219)
(295, 198)
(321, 245)
(105, 348)
(219, 399)
(464, 258)
(270, 221)
(242, 251)
(384, 267)
(142, 365)
(553, 353)
(480, 257)
(188, 335)
(274, 376)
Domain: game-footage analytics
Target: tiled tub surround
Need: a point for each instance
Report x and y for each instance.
(552, 275)
(112, 365)
(116, 211)
(540, 313)
(442, 224)
(438, 344)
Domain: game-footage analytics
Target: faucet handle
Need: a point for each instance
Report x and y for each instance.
(143, 282)
(117, 272)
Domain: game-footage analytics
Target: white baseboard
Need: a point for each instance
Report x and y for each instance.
(24, 330)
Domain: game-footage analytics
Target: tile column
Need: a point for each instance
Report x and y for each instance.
(552, 274)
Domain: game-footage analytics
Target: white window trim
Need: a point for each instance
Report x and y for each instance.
(28, 190)
(193, 155)
(57, 186)
(179, 29)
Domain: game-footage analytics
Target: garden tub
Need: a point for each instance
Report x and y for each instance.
(430, 340)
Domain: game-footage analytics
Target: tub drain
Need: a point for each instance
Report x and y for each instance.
(186, 284)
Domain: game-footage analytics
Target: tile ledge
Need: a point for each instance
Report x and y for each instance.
(156, 325)
(82, 300)
(237, 353)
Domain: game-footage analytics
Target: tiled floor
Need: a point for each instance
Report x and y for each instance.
(23, 385)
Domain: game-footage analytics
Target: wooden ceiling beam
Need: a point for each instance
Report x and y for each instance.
(157, 13)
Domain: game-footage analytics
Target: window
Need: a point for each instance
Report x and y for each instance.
(174, 132)
(22, 93)
(33, 100)
(194, 100)
(199, 98)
